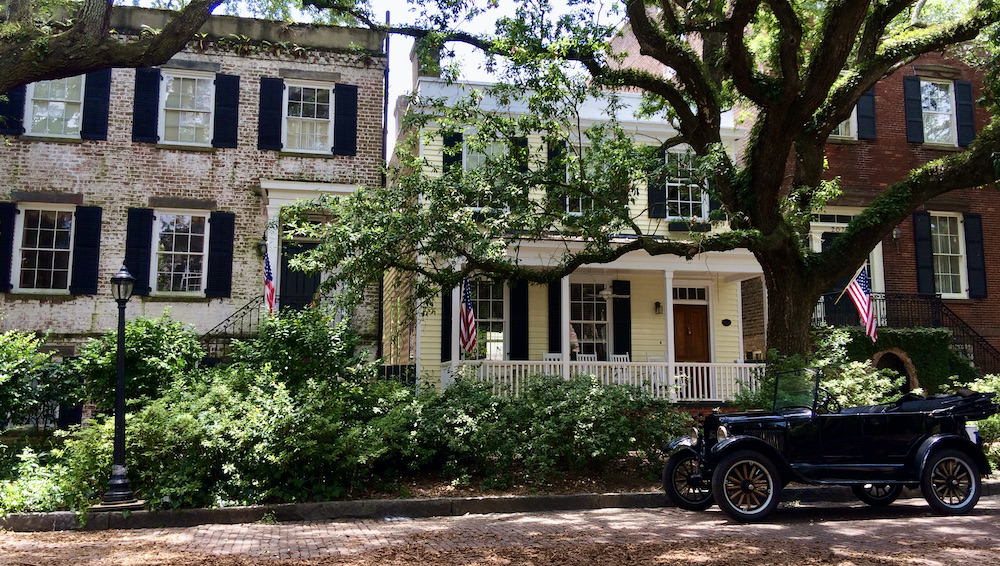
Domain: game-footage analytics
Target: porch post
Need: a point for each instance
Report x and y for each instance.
(668, 288)
(564, 331)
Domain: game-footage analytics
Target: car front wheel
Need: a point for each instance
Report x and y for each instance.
(684, 485)
(746, 486)
(877, 494)
(950, 482)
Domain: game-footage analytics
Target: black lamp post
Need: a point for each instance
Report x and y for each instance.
(119, 492)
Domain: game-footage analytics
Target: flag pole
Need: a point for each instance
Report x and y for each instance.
(852, 279)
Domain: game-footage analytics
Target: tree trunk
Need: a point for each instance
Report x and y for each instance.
(791, 302)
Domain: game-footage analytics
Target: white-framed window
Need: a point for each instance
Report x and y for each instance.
(589, 319)
(55, 108)
(43, 240)
(937, 101)
(686, 194)
(848, 129)
(489, 306)
(180, 258)
(308, 117)
(474, 157)
(948, 245)
(187, 103)
(578, 204)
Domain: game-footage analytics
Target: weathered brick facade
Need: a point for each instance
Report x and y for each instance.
(118, 173)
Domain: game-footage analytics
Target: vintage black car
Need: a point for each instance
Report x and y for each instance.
(742, 460)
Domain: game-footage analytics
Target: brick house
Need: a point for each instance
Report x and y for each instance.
(179, 172)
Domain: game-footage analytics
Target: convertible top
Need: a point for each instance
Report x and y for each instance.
(964, 403)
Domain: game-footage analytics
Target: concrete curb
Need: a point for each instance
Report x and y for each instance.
(393, 508)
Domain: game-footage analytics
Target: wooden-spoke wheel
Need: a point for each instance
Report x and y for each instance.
(684, 485)
(950, 482)
(747, 486)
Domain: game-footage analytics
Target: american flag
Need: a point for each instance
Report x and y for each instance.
(268, 284)
(467, 322)
(860, 290)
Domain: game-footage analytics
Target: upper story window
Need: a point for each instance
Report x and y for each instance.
(44, 241)
(848, 129)
(186, 113)
(939, 111)
(686, 195)
(179, 261)
(69, 108)
(185, 108)
(307, 117)
(308, 121)
(55, 107)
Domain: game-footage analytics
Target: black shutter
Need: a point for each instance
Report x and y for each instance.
(86, 250)
(139, 247)
(270, 113)
(12, 112)
(622, 316)
(446, 325)
(866, 115)
(657, 187)
(8, 213)
(227, 110)
(965, 112)
(222, 229)
(914, 110)
(96, 105)
(555, 317)
(924, 252)
(452, 157)
(146, 106)
(519, 320)
(345, 120)
(975, 256)
(521, 153)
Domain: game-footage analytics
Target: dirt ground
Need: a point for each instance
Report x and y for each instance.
(906, 533)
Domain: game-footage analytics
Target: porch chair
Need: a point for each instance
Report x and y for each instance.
(586, 358)
(551, 368)
(622, 373)
(658, 376)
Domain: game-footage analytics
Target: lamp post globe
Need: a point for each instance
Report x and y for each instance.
(119, 494)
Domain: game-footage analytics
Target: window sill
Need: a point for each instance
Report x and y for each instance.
(942, 147)
(175, 299)
(843, 140)
(48, 139)
(305, 154)
(40, 296)
(178, 147)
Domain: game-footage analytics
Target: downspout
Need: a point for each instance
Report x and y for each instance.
(380, 318)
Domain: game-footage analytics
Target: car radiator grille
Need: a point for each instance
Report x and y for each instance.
(775, 438)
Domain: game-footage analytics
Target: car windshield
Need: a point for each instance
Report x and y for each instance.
(796, 388)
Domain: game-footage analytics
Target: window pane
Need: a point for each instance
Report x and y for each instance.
(180, 255)
(56, 107)
(187, 114)
(46, 239)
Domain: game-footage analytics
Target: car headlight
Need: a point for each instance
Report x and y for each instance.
(695, 436)
(722, 433)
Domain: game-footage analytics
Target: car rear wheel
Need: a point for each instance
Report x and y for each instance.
(684, 485)
(746, 486)
(950, 482)
(877, 494)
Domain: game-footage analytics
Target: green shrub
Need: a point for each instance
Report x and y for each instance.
(34, 487)
(851, 383)
(939, 366)
(989, 428)
(156, 351)
(20, 361)
(305, 344)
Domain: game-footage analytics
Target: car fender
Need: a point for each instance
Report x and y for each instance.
(942, 441)
(750, 443)
(677, 444)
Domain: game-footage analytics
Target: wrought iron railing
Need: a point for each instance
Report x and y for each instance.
(909, 310)
(244, 323)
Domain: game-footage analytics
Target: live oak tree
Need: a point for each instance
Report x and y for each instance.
(791, 69)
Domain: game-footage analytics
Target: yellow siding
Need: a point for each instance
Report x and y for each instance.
(538, 321)
(649, 330)
(727, 338)
(430, 346)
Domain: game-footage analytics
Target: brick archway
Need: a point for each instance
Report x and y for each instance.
(897, 359)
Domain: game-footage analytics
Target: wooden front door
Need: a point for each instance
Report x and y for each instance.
(691, 333)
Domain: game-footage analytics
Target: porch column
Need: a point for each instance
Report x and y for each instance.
(668, 294)
(564, 331)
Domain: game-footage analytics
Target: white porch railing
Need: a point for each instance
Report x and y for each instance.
(678, 381)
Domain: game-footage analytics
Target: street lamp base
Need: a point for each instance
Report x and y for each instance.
(119, 489)
(134, 505)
